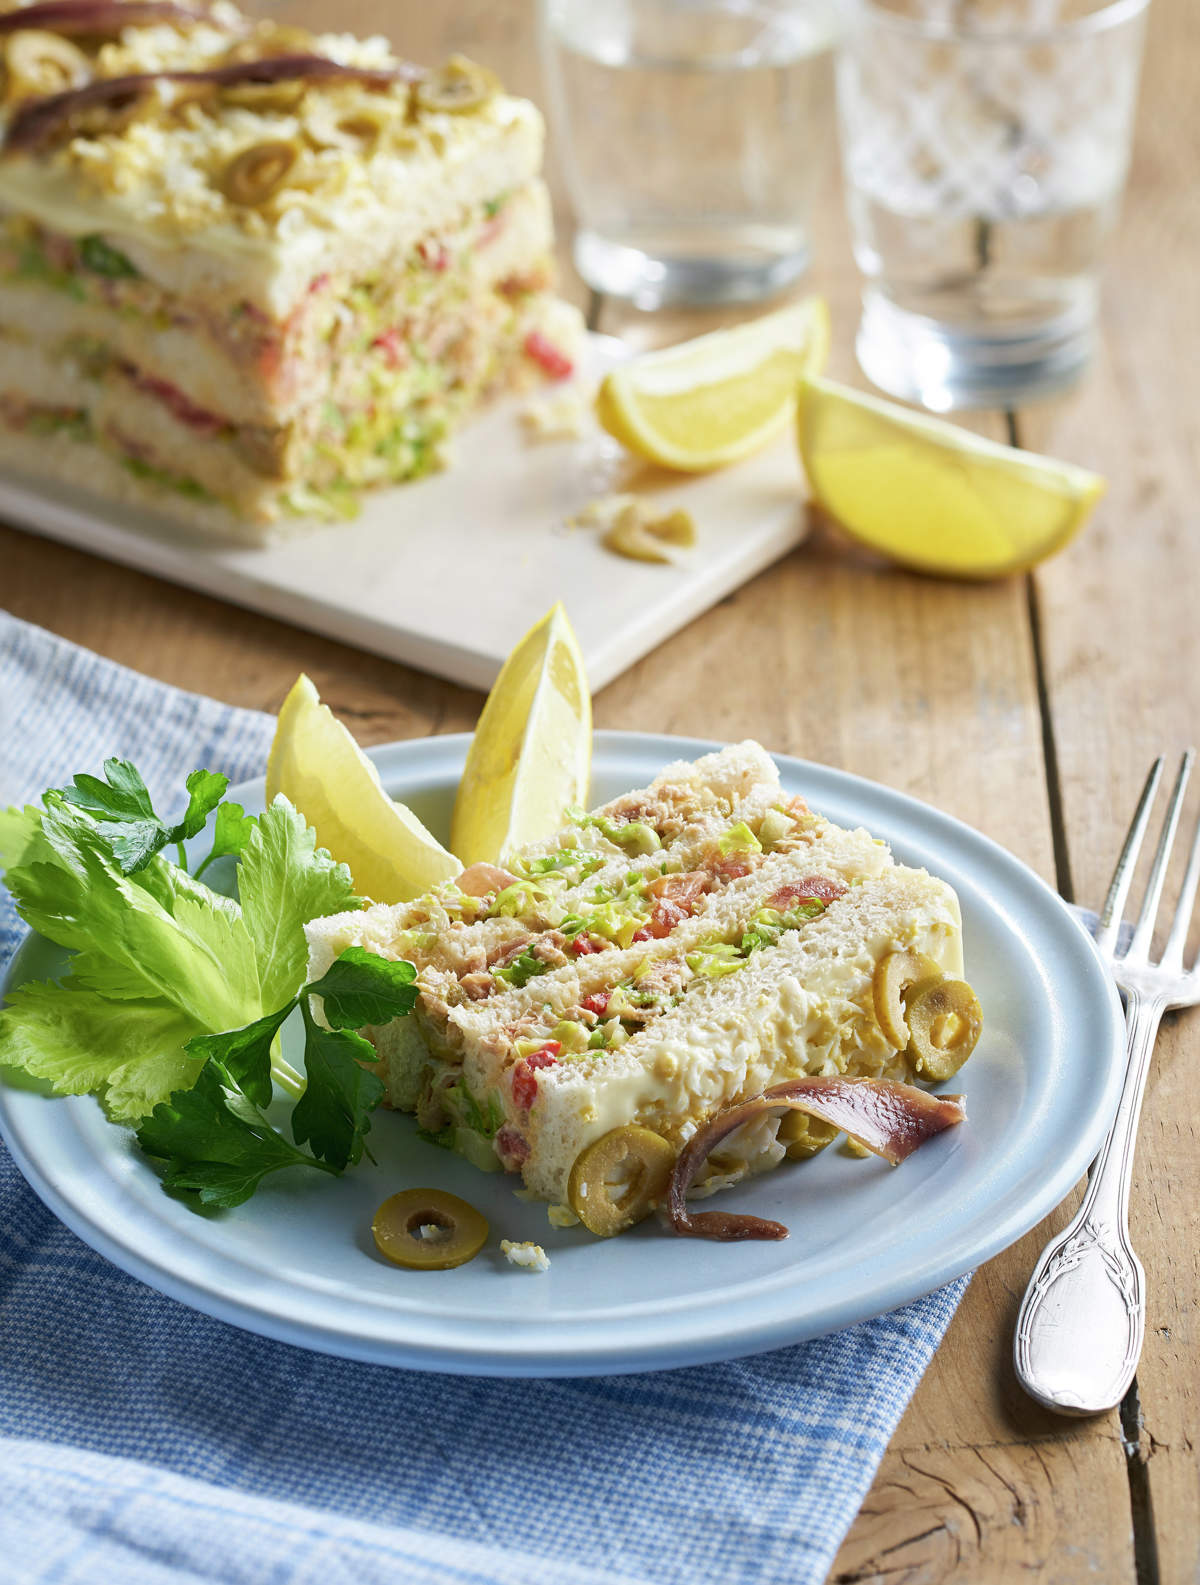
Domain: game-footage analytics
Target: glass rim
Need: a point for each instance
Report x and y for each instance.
(1101, 20)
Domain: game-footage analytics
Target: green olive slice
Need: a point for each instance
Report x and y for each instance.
(367, 125)
(894, 977)
(944, 1022)
(43, 63)
(428, 1230)
(619, 1178)
(459, 87)
(257, 173)
(803, 1136)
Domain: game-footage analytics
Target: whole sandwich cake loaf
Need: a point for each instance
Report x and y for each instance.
(247, 272)
(669, 956)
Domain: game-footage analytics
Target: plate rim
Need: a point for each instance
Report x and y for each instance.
(502, 1357)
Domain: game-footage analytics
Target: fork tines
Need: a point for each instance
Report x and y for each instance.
(1138, 951)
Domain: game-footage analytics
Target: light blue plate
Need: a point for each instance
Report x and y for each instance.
(298, 1262)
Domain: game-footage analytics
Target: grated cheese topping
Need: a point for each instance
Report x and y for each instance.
(166, 158)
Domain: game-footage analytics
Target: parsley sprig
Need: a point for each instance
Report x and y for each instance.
(121, 807)
(215, 1139)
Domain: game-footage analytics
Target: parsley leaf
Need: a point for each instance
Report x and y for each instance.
(245, 1054)
(103, 259)
(205, 789)
(214, 1142)
(333, 1114)
(122, 795)
(523, 968)
(121, 807)
(361, 987)
(215, 1138)
(232, 829)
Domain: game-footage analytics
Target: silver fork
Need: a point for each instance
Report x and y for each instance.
(1082, 1321)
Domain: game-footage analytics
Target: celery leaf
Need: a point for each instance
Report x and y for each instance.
(284, 880)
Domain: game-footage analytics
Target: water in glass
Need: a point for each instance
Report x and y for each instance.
(689, 133)
(985, 147)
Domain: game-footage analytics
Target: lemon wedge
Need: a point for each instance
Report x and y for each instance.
(531, 755)
(718, 398)
(933, 496)
(316, 764)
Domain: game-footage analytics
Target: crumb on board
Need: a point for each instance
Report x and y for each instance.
(636, 528)
(525, 1255)
(600, 511)
(561, 1216)
(560, 416)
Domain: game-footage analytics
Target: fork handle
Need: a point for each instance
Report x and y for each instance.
(1082, 1320)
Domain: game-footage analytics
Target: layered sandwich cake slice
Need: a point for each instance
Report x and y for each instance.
(767, 945)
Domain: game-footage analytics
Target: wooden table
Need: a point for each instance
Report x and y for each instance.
(1030, 708)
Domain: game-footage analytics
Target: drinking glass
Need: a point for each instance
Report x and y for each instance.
(985, 145)
(689, 133)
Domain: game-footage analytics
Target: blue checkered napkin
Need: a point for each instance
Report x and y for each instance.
(141, 1442)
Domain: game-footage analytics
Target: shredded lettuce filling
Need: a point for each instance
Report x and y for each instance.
(102, 259)
(635, 836)
(625, 1011)
(566, 858)
(177, 483)
(476, 1125)
(33, 264)
(739, 839)
(522, 969)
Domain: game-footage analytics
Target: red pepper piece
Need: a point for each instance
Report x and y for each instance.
(547, 356)
(525, 1084)
(812, 889)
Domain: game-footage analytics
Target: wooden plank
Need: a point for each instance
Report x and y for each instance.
(945, 1512)
(1122, 653)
